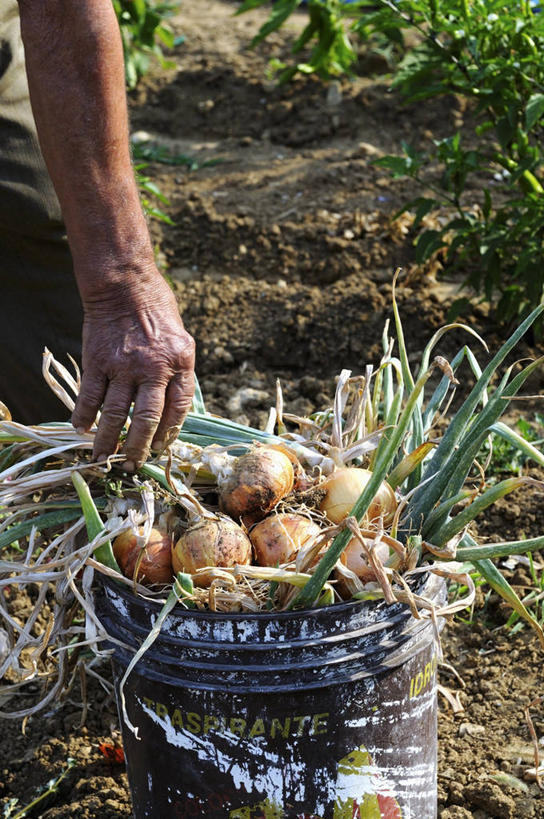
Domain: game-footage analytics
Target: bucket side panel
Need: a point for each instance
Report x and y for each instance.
(364, 748)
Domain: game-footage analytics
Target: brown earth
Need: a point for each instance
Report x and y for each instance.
(282, 255)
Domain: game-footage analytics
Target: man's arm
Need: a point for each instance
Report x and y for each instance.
(134, 345)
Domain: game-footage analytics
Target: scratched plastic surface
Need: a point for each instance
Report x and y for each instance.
(328, 714)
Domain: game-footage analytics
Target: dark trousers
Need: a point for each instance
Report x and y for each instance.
(39, 302)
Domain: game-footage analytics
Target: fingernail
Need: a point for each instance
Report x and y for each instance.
(158, 445)
(129, 466)
(80, 430)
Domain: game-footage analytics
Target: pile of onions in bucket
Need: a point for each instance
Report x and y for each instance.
(259, 480)
(351, 501)
(268, 514)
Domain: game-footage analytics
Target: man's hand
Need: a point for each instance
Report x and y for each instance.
(135, 349)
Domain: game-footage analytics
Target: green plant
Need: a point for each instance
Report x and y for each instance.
(327, 32)
(533, 600)
(487, 52)
(12, 809)
(144, 32)
(148, 189)
(505, 455)
(152, 152)
(150, 193)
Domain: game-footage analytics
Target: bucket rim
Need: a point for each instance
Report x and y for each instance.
(424, 580)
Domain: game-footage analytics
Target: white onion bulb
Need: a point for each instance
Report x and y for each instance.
(343, 488)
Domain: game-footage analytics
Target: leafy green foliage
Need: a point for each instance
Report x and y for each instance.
(533, 600)
(46, 795)
(151, 152)
(488, 53)
(150, 194)
(508, 459)
(326, 35)
(144, 32)
(148, 189)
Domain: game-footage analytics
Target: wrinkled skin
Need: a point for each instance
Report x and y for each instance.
(135, 351)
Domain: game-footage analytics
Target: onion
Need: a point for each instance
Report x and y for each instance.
(217, 542)
(344, 486)
(354, 557)
(301, 480)
(259, 480)
(155, 565)
(277, 538)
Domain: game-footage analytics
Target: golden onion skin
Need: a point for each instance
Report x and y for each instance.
(260, 479)
(354, 558)
(217, 542)
(277, 538)
(343, 488)
(156, 563)
(301, 481)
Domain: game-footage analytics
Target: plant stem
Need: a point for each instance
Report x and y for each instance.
(104, 553)
(311, 591)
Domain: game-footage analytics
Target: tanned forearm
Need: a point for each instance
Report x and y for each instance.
(75, 71)
(135, 348)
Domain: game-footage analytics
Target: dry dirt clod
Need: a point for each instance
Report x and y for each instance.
(455, 812)
(491, 797)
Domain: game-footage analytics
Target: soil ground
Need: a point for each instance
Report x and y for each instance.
(281, 254)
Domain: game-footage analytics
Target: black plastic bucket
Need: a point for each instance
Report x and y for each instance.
(328, 713)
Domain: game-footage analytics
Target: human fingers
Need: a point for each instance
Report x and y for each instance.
(179, 396)
(148, 409)
(117, 403)
(89, 400)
